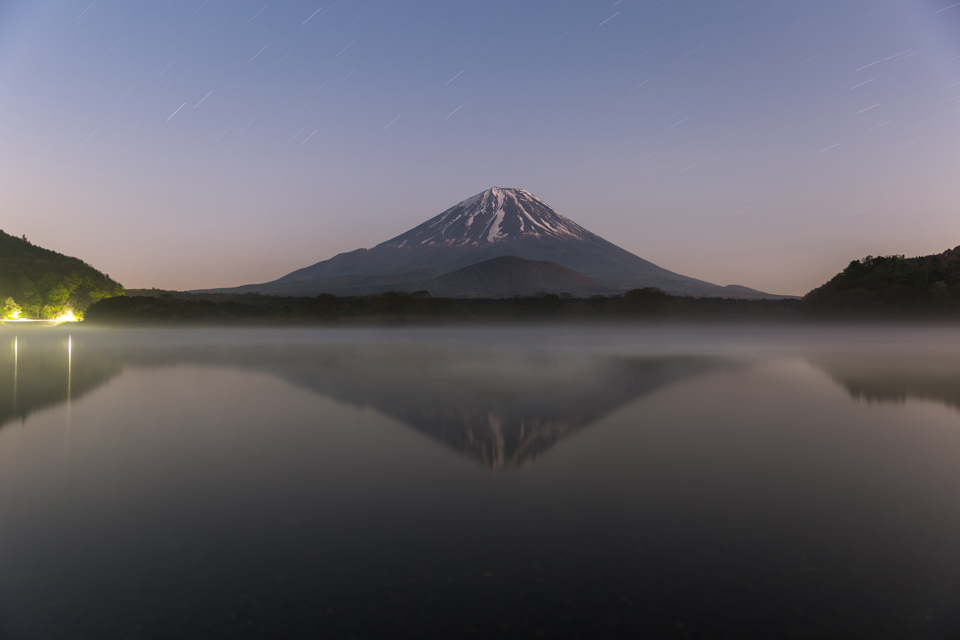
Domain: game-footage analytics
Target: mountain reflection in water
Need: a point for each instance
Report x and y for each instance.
(501, 409)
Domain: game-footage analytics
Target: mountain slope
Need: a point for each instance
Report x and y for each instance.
(350, 285)
(39, 283)
(495, 223)
(509, 276)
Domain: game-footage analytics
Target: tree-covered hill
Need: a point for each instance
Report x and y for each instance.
(893, 285)
(39, 283)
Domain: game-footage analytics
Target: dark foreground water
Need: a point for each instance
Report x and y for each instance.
(535, 482)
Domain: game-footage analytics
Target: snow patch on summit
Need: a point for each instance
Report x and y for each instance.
(493, 216)
(495, 227)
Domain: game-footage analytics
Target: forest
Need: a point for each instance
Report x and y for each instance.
(927, 286)
(36, 283)
(162, 308)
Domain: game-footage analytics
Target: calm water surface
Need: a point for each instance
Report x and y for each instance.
(684, 482)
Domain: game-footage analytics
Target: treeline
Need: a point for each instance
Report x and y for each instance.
(249, 308)
(39, 283)
(888, 288)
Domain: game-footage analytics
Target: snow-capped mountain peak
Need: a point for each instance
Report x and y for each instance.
(494, 216)
(497, 223)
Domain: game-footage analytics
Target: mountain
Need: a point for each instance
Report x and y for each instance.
(495, 223)
(39, 283)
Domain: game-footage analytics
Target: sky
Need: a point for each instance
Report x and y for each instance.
(186, 144)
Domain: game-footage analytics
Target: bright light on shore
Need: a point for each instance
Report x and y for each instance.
(66, 316)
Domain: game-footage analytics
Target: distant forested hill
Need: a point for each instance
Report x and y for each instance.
(885, 284)
(39, 283)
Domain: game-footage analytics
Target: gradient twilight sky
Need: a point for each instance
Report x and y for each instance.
(199, 143)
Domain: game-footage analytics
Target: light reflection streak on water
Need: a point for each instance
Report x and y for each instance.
(16, 362)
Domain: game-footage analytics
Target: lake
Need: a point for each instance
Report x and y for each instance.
(545, 482)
